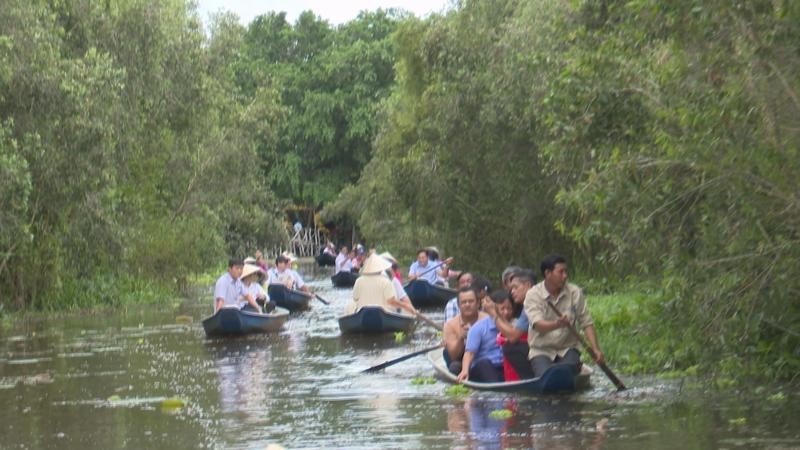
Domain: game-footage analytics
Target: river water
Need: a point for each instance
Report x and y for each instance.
(110, 381)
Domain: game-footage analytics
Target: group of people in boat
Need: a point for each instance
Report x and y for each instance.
(243, 285)
(508, 334)
(513, 333)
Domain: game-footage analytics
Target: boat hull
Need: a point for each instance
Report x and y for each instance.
(324, 259)
(424, 294)
(344, 279)
(375, 319)
(237, 322)
(557, 379)
(291, 299)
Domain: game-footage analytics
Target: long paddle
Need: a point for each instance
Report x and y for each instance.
(603, 366)
(434, 267)
(392, 362)
(325, 302)
(428, 321)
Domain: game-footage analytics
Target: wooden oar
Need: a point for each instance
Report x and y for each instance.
(392, 362)
(428, 321)
(441, 263)
(617, 382)
(325, 302)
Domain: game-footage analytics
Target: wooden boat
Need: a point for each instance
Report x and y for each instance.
(344, 279)
(325, 259)
(291, 299)
(234, 321)
(424, 294)
(557, 379)
(375, 319)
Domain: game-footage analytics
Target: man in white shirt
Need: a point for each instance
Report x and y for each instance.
(343, 260)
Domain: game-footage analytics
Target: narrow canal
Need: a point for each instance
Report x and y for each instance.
(110, 381)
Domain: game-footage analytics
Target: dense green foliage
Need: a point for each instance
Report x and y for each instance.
(643, 139)
(124, 150)
(331, 82)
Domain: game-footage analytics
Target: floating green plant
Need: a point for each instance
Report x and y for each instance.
(457, 390)
(399, 336)
(501, 414)
(423, 380)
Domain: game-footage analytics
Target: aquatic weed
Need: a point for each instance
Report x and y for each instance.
(501, 414)
(423, 380)
(456, 390)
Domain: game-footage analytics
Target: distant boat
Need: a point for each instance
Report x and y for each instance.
(344, 279)
(232, 321)
(375, 319)
(291, 299)
(326, 259)
(424, 294)
(557, 379)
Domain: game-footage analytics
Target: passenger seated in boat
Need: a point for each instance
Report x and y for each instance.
(549, 337)
(395, 268)
(355, 262)
(451, 308)
(262, 263)
(443, 273)
(515, 331)
(505, 311)
(423, 269)
(251, 287)
(342, 262)
(282, 274)
(374, 287)
(228, 288)
(483, 358)
(456, 329)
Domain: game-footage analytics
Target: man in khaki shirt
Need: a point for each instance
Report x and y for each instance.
(549, 338)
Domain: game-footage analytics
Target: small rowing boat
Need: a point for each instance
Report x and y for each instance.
(344, 279)
(424, 294)
(326, 259)
(291, 299)
(375, 319)
(557, 379)
(232, 321)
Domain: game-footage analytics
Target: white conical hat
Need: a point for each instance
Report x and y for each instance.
(375, 264)
(250, 269)
(388, 256)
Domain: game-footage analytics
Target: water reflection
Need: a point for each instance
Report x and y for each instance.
(246, 373)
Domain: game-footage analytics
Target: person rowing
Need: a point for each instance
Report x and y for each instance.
(283, 274)
(549, 336)
(424, 269)
(374, 287)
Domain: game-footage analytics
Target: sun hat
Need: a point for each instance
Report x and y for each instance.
(250, 269)
(388, 256)
(249, 260)
(375, 264)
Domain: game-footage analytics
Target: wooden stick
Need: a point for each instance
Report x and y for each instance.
(429, 321)
(392, 362)
(617, 382)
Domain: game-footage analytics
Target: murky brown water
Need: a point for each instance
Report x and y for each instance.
(99, 382)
